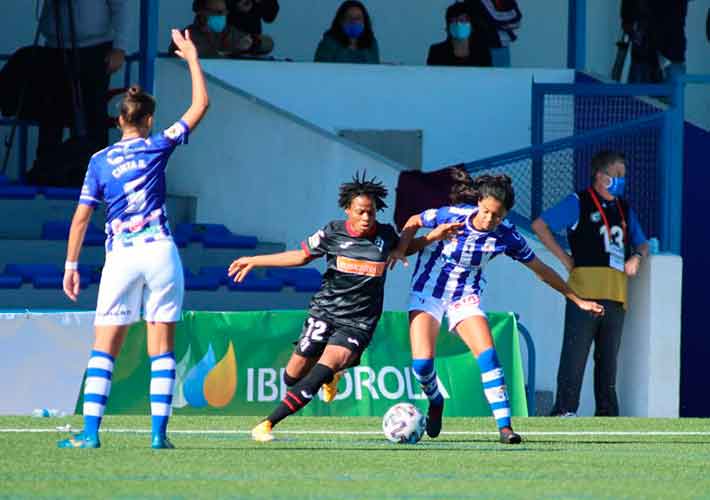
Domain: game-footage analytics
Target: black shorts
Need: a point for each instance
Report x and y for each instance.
(318, 333)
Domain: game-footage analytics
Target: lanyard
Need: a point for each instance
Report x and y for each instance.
(606, 221)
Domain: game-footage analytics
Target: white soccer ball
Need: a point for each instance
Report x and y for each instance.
(404, 423)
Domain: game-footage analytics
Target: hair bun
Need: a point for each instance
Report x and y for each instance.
(134, 90)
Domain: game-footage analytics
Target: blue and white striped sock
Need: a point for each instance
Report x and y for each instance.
(425, 374)
(96, 390)
(162, 382)
(494, 386)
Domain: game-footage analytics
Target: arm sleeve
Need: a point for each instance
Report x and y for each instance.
(318, 244)
(517, 248)
(638, 237)
(177, 133)
(433, 217)
(563, 215)
(269, 9)
(121, 21)
(91, 190)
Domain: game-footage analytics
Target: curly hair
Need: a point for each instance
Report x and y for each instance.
(468, 190)
(360, 186)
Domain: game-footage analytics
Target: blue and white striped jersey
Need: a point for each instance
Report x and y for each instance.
(452, 269)
(129, 176)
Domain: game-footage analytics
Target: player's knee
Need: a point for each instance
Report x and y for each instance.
(289, 380)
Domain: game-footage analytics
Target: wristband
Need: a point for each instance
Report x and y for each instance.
(637, 254)
(71, 266)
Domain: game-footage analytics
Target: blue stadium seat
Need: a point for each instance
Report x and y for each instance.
(57, 193)
(18, 192)
(182, 234)
(218, 236)
(201, 281)
(7, 281)
(59, 230)
(29, 271)
(55, 282)
(89, 273)
(219, 272)
(4, 180)
(255, 284)
(301, 279)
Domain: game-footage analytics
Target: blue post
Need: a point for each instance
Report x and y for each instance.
(671, 172)
(577, 34)
(537, 137)
(148, 43)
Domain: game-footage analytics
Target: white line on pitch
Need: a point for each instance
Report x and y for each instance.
(377, 433)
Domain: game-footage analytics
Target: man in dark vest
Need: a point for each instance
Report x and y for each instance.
(607, 245)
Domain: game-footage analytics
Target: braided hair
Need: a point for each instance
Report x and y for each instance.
(360, 186)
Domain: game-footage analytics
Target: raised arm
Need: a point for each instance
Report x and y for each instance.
(239, 269)
(200, 100)
(79, 225)
(555, 281)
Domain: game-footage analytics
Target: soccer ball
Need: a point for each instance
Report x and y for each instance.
(404, 423)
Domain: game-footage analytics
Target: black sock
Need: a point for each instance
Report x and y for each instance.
(301, 393)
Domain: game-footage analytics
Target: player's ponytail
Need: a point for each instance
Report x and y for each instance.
(462, 190)
(499, 187)
(136, 106)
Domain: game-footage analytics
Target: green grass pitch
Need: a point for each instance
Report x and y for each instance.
(349, 458)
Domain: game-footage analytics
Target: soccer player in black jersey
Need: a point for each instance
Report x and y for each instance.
(343, 314)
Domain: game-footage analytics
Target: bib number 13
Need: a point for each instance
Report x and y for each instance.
(616, 237)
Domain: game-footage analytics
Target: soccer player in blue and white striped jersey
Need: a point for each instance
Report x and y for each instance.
(448, 279)
(143, 272)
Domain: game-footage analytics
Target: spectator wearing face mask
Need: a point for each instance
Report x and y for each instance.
(350, 38)
(463, 45)
(213, 37)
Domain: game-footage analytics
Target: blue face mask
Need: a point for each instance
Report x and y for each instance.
(616, 186)
(353, 30)
(460, 31)
(217, 23)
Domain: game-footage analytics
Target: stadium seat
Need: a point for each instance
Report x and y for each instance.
(201, 281)
(29, 271)
(59, 230)
(301, 279)
(7, 281)
(218, 272)
(4, 180)
(217, 236)
(18, 192)
(255, 284)
(182, 234)
(57, 193)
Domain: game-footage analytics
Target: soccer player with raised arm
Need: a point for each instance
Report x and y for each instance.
(448, 279)
(142, 269)
(344, 313)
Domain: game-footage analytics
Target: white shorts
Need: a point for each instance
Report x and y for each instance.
(465, 307)
(145, 277)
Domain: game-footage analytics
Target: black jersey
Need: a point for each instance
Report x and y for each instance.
(590, 240)
(352, 291)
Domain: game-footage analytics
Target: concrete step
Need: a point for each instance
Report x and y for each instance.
(23, 219)
(194, 256)
(29, 298)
